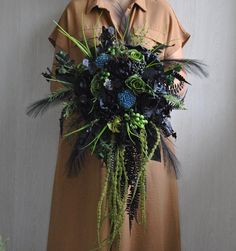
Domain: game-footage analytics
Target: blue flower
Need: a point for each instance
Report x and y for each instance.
(126, 99)
(101, 60)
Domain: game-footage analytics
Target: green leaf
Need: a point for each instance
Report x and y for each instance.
(174, 101)
(85, 39)
(84, 49)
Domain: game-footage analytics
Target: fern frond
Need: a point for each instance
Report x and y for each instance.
(159, 48)
(174, 101)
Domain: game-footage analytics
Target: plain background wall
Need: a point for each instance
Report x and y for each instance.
(206, 131)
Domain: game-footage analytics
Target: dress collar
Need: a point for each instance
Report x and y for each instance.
(102, 4)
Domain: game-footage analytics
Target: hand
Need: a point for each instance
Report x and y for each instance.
(179, 55)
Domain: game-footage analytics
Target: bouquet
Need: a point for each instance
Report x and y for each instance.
(118, 100)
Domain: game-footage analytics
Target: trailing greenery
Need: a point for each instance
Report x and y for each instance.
(115, 207)
(111, 200)
(3, 243)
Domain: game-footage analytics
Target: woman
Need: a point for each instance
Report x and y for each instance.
(74, 201)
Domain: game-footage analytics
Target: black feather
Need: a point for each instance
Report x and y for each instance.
(180, 77)
(190, 65)
(71, 125)
(170, 158)
(76, 159)
(42, 105)
(77, 156)
(61, 122)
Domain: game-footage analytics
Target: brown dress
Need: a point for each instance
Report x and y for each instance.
(74, 200)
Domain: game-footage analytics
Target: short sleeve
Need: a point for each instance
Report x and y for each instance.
(60, 41)
(56, 38)
(176, 35)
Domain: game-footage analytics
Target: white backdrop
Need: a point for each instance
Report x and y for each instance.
(206, 131)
